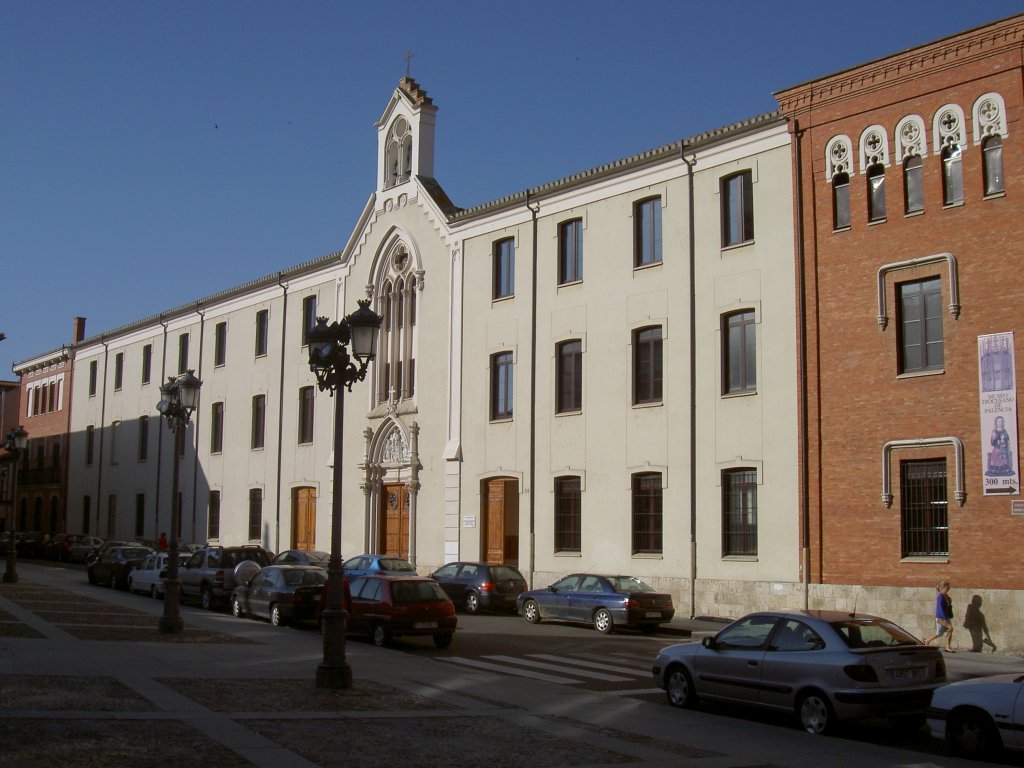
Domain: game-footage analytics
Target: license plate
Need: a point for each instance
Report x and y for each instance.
(913, 673)
(652, 615)
(425, 625)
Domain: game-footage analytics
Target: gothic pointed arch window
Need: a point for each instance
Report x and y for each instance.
(398, 153)
(396, 378)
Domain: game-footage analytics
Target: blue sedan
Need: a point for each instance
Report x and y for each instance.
(377, 565)
(606, 602)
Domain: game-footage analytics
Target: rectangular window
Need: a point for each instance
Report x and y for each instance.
(876, 193)
(737, 209)
(924, 508)
(646, 503)
(140, 514)
(306, 415)
(504, 268)
(220, 344)
(841, 201)
(118, 370)
(259, 416)
(569, 376)
(739, 512)
(255, 513)
(90, 444)
(143, 438)
(114, 429)
(213, 518)
(952, 176)
(992, 152)
(647, 365)
(308, 317)
(739, 362)
(147, 362)
(262, 332)
(183, 353)
(51, 403)
(93, 372)
(568, 514)
(913, 184)
(217, 428)
(647, 232)
(570, 251)
(501, 386)
(920, 326)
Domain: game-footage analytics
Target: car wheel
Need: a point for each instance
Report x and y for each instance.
(603, 621)
(443, 639)
(679, 687)
(275, 615)
(472, 602)
(815, 713)
(531, 611)
(206, 598)
(972, 734)
(380, 635)
(236, 608)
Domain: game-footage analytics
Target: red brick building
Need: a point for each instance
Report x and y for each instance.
(909, 173)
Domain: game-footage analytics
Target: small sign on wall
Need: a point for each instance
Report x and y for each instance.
(1016, 507)
(469, 521)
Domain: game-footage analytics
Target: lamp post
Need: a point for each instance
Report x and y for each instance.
(178, 399)
(336, 370)
(15, 444)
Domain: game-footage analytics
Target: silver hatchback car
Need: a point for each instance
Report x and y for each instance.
(823, 666)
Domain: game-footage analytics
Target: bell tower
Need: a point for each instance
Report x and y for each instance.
(405, 136)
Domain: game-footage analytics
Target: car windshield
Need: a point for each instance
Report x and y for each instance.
(304, 578)
(391, 564)
(872, 633)
(416, 591)
(504, 572)
(627, 584)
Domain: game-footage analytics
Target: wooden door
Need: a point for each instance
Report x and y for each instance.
(394, 518)
(304, 518)
(501, 525)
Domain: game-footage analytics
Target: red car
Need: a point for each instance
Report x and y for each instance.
(384, 607)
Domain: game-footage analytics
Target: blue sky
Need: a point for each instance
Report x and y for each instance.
(152, 153)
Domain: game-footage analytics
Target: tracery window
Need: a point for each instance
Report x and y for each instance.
(396, 302)
(398, 154)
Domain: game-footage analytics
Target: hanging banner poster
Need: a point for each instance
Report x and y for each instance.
(998, 406)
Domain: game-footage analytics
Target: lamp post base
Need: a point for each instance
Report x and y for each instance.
(334, 676)
(11, 574)
(171, 622)
(334, 671)
(10, 578)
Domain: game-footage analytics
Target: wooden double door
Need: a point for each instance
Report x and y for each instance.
(304, 518)
(501, 521)
(394, 520)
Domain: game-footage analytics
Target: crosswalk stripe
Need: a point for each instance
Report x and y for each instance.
(561, 668)
(509, 670)
(619, 668)
(635, 692)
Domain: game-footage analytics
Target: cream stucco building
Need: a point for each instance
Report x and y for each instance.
(595, 374)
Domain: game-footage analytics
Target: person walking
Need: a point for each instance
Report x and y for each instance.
(943, 616)
(162, 543)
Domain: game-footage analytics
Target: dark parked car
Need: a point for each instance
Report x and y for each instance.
(302, 557)
(481, 586)
(113, 567)
(32, 544)
(384, 607)
(280, 593)
(101, 550)
(606, 602)
(80, 551)
(822, 666)
(365, 565)
(211, 573)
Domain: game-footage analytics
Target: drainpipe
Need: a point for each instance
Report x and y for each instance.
(103, 429)
(197, 420)
(280, 414)
(534, 209)
(160, 421)
(801, 363)
(693, 383)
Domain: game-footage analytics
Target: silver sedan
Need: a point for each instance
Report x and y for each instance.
(823, 666)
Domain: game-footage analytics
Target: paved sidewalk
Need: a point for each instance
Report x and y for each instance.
(86, 678)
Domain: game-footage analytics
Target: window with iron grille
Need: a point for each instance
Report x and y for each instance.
(739, 512)
(647, 522)
(924, 508)
(568, 514)
(255, 513)
(213, 521)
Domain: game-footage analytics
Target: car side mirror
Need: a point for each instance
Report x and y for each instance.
(709, 642)
(552, 588)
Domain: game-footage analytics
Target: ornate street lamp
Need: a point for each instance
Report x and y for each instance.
(15, 444)
(178, 399)
(336, 370)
